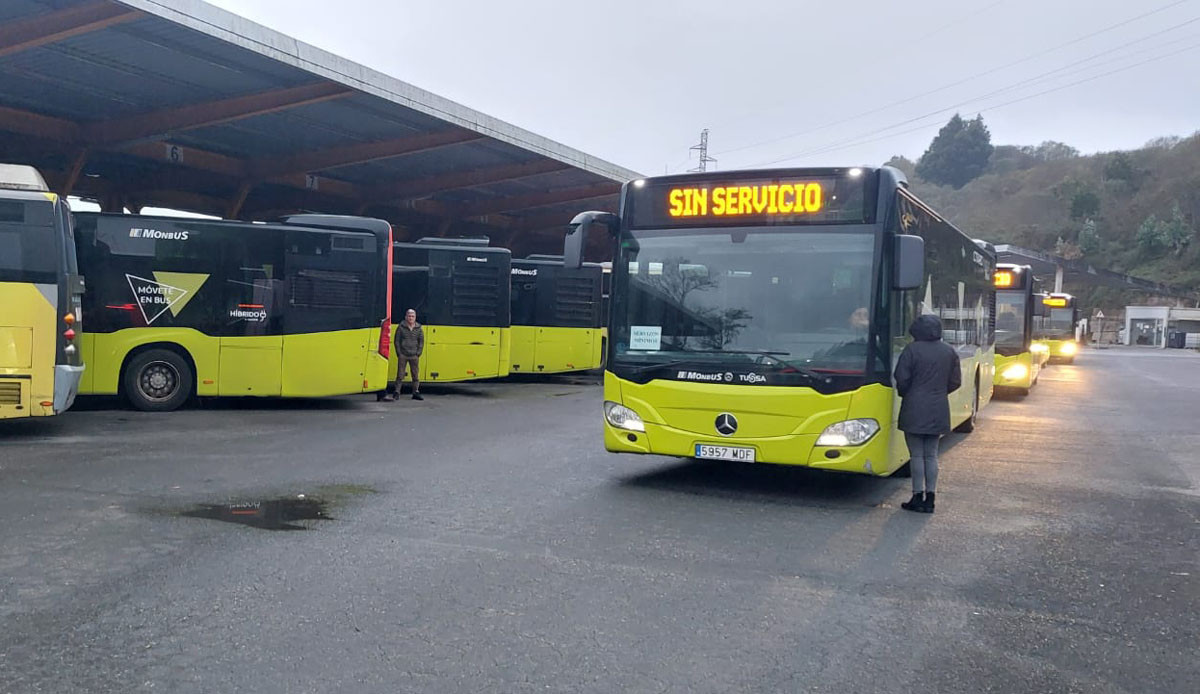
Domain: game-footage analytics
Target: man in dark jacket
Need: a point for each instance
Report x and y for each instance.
(410, 342)
(927, 372)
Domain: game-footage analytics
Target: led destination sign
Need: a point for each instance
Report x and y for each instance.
(800, 199)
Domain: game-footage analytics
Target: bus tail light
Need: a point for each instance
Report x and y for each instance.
(385, 338)
(69, 319)
(69, 333)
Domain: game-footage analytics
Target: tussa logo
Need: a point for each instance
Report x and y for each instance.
(752, 378)
(523, 271)
(138, 233)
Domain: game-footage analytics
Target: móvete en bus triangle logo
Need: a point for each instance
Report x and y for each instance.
(168, 291)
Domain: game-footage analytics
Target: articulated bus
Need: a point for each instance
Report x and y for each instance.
(460, 291)
(556, 316)
(1054, 330)
(40, 296)
(757, 315)
(183, 307)
(1017, 364)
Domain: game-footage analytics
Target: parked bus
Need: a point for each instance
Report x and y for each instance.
(1017, 365)
(556, 316)
(757, 315)
(40, 295)
(1055, 329)
(183, 307)
(460, 291)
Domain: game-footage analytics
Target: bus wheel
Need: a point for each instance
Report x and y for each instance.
(157, 380)
(969, 425)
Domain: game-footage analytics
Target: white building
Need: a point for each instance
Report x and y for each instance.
(1153, 325)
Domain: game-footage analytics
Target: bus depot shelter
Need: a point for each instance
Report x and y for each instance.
(179, 104)
(1162, 326)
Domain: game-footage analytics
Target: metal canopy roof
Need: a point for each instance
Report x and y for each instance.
(177, 103)
(1081, 272)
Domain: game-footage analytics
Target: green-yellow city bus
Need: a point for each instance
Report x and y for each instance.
(40, 296)
(1017, 364)
(460, 291)
(1054, 330)
(196, 307)
(556, 316)
(757, 315)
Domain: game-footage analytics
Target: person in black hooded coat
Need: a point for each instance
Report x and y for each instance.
(927, 371)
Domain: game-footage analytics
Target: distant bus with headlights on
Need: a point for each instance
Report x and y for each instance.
(1017, 365)
(1056, 328)
(757, 315)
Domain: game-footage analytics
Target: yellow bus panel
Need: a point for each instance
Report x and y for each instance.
(28, 333)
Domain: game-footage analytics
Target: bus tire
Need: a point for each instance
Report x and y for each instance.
(157, 380)
(969, 425)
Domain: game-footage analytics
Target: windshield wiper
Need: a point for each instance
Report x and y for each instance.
(663, 365)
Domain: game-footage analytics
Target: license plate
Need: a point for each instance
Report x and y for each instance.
(735, 453)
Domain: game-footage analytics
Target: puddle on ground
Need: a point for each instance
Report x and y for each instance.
(296, 512)
(271, 514)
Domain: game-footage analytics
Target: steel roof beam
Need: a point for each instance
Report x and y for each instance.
(37, 125)
(24, 34)
(551, 220)
(469, 179)
(157, 124)
(543, 199)
(361, 153)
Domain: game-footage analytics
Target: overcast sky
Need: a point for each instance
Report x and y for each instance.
(784, 82)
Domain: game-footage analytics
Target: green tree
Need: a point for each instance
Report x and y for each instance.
(1120, 168)
(1084, 205)
(1150, 237)
(1089, 238)
(958, 154)
(1176, 232)
(904, 164)
(1053, 151)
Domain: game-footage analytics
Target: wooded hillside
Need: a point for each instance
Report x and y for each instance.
(1134, 212)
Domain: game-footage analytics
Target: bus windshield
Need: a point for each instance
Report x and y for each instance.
(791, 297)
(1060, 322)
(1010, 322)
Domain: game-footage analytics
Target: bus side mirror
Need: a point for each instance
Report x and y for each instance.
(576, 241)
(908, 271)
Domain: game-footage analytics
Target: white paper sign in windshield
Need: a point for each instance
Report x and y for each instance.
(645, 337)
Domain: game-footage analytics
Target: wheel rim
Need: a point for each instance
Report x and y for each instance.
(158, 381)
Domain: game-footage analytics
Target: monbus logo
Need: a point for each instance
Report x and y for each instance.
(139, 233)
(524, 272)
(476, 259)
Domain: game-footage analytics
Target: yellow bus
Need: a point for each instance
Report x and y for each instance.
(1017, 364)
(460, 291)
(757, 315)
(40, 296)
(196, 307)
(1054, 330)
(556, 316)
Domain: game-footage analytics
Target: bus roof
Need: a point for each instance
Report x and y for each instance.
(22, 177)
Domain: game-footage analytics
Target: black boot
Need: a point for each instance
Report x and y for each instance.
(417, 396)
(916, 503)
(928, 506)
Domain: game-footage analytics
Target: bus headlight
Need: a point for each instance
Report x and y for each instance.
(852, 432)
(1014, 372)
(1069, 349)
(1039, 347)
(622, 417)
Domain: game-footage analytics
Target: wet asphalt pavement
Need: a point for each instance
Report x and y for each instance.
(483, 541)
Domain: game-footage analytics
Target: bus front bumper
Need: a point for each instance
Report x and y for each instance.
(66, 386)
(795, 449)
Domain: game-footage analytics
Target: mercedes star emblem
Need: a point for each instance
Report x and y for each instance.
(726, 424)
